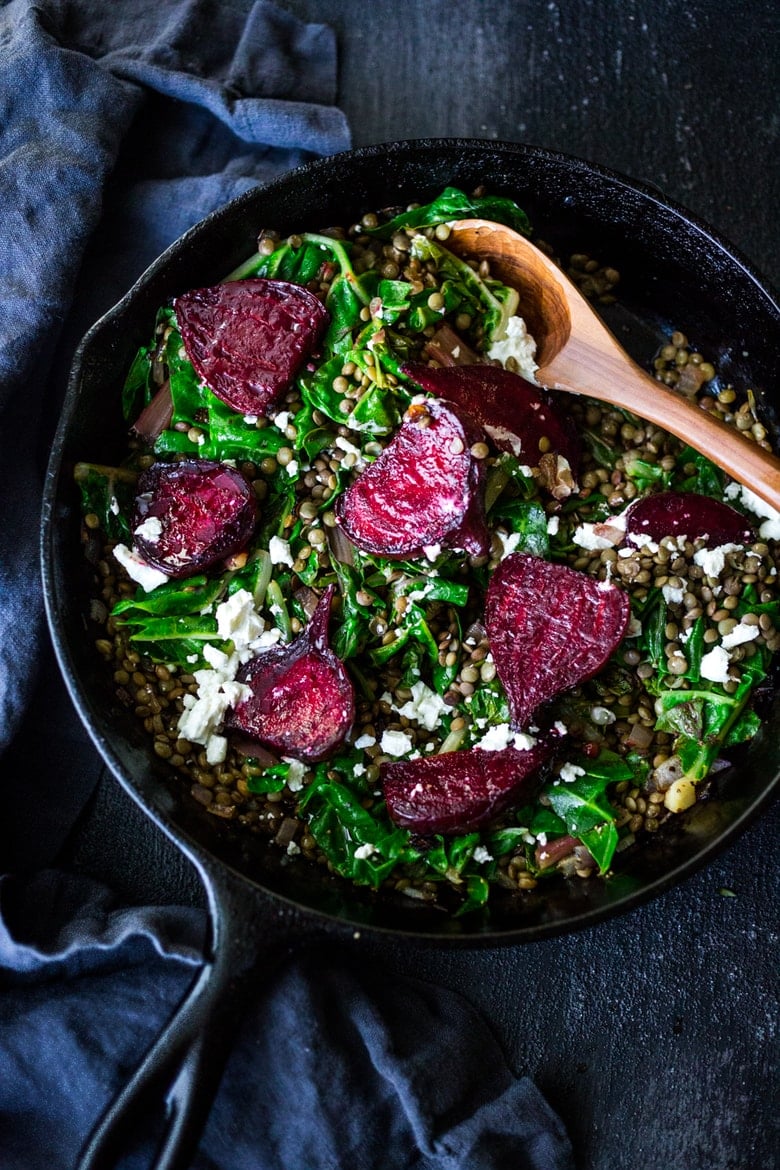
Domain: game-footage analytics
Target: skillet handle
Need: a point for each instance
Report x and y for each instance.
(180, 1074)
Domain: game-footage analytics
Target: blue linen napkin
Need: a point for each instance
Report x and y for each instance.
(338, 1066)
(121, 125)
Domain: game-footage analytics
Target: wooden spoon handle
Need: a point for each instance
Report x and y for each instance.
(609, 375)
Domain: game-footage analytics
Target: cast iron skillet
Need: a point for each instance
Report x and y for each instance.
(675, 273)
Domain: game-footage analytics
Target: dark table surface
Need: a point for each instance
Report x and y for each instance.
(653, 1035)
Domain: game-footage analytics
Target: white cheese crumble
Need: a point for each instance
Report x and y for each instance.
(481, 854)
(739, 635)
(570, 772)
(715, 665)
(509, 542)
(431, 551)
(501, 736)
(516, 343)
(672, 594)
(202, 716)
(150, 529)
(396, 743)
(295, 773)
(712, 560)
(238, 620)
(292, 467)
(553, 524)
(365, 741)
(279, 551)
(364, 851)
(607, 534)
(282, 419)
(645, 541)
(770, 529)
(137, 568)
(425, 707)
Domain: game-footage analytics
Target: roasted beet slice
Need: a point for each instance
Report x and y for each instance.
(247, 339)
(424, 490)
(458, 791)
(549, 628)
(190, 515)
(302, 702)
(687, 514)
(516, 415)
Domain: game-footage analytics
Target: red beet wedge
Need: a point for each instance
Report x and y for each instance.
(190, 515)
(516, 415)
(687, 514)
(302, 702)
(549, 628)
(247, 339)
(424, 490)
(458, 791)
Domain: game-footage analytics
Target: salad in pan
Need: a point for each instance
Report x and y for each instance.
(379, 597)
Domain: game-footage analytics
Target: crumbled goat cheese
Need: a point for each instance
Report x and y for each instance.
(295, 773)
(481, 854)
(712, 560)
(509, 542)
(217, 687)
(364, 851)
(770, 529)
(150, 529)
(282, 419)
(396, 743)
(218, 660)
(643, 540)
(292, 467)
(501, 736)
(715, 665)
(570, 772)
(217, 690)
(238, 620)
(279, 551)
(432, 551)
(425, 707)
(672, 594)
(517, 343)
(138, 570)
(596, 536)
(293, 848)
(365, 741)
(740, 634)
(553, 524)
(250, 420)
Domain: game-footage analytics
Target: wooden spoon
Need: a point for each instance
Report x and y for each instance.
(577, 353)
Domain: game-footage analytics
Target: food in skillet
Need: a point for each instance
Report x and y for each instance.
(379, 597)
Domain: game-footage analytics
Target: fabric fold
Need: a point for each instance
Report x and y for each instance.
(337, 1064)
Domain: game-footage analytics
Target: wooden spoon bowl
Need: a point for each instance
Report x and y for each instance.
(577, 353)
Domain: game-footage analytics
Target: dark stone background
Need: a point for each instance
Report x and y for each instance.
(654, 1035)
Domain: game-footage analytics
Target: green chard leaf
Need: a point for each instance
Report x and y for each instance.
(455, 204)
(108, 493)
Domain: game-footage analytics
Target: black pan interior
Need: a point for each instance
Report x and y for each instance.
(674, 274)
